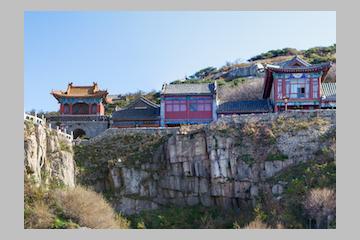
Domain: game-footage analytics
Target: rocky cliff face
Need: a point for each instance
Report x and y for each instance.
(228, 163)
(48, 156)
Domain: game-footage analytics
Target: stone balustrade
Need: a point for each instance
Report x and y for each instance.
(42, 121)
(35, 119)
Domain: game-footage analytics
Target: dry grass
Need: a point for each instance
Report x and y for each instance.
(257, 224)
(40, 216)
(250, 90)
(88, 209)
(274, 60)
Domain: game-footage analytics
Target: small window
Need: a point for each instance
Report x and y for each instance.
(176, 107)
(201, 107)
(182, 107)
(301, 92)
(193, 107)
(169, 108)
(207, 107)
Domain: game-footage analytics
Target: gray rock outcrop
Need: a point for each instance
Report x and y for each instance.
(227, 163)
(48, 157)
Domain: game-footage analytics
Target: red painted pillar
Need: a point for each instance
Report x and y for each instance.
(98, 109)
(275, 87)
(70, 108)
(61, 108)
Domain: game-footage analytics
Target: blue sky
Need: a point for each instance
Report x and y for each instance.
(129, 51)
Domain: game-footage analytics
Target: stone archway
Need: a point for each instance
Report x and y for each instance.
(78, 133)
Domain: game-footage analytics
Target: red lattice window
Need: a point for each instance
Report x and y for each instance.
(175, 106)
(200, 105)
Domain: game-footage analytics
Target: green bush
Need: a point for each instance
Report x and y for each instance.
(300, 179)
(65, 146)
(248, 159)
(276, 157)
(60, 223)
(195, 217)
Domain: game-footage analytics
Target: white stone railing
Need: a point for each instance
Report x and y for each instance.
(35, 119)
(42, 121)
(70, 136)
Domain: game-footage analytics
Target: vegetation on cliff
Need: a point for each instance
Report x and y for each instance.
(54, 207)
(194, 217)
(129, 150)
(279, 141)
(289, 211)
(51, 199)
(312, 55)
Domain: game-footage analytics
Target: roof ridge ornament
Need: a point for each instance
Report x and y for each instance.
(70, 84)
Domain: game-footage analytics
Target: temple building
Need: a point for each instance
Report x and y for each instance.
(294, 84)
(139, 113)
(188, 104)
(82, 110)
(81, 100)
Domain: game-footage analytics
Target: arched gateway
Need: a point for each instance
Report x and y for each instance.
(79, 133)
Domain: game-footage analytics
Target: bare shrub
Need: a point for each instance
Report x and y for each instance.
(257, 224)
(320, 204)
(250, 90)
(280, 226)
(122, 222)
(87, 208)
(39, 216)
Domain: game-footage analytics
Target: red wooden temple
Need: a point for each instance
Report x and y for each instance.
(81, 100)
(294, 84)
(188, 104)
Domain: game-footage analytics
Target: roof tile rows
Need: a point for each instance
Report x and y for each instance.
(151, 112)
(82, 91)
(186, 88)
(251, 106)
(328, 90)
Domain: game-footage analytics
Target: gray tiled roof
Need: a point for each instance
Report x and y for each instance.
(189, 88)
(250, 106)
(313, 67)
(150, 113)
(292, 61)
(130, 113)
(329, 91)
